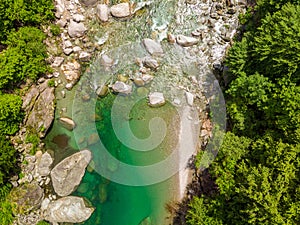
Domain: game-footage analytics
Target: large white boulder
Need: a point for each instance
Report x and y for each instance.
(67, 174)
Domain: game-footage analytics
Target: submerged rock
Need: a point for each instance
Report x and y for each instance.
(93, 139)
(67, 123)
(153, 47)
(102, 193)
(146, 221)
(121, 87)
(106, 61)
(121, 10)
(69, 209)
(156, 99)
(102, 91)
(67, 174)
(150, 63)
(186, 41)
(139, 82)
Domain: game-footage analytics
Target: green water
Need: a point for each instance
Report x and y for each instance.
(118, 204)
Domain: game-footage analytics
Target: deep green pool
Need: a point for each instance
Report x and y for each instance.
(118, 204)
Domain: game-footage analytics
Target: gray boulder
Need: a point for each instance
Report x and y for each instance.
(150, 63)
(67, 174)
(186, 41)
(71, 70)
(67, 123)
(69, 209)
(88, 2)
(76, 29)
(57, 61)
(156, 99)
(44, 164)
(121, 87)
(153, 47)
(121, 10)
(189, 98)
(102, 12)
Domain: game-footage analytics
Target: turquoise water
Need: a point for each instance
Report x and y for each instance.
(118, 204)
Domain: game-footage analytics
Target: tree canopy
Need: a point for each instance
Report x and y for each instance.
(257, 169)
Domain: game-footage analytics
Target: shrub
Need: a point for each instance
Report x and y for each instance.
(24, 58)
(10, 113)
(54, 29)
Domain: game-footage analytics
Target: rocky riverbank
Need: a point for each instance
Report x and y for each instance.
(203, 29)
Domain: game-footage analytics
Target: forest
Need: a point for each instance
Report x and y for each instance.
(256, 171)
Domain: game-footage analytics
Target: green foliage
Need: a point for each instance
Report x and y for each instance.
(17, 13)
(10, 113)
(51, 83)
(258, 184)
(223, 168)
(7, 159)
(257, 169)
(270, 6)
(6, 214)
(276, 45)
(24, 58)
(199, 213)
(54, 29)
(34, 140)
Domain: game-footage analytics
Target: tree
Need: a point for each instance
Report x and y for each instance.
(276, 44)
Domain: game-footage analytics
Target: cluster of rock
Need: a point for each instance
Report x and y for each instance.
(66, 177)
(74, 46)
(32, 195)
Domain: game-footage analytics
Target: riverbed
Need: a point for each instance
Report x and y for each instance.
(122, 196)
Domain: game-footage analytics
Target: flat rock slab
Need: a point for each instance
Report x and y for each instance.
(39, 107)
(67, 174)
(69, 209)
